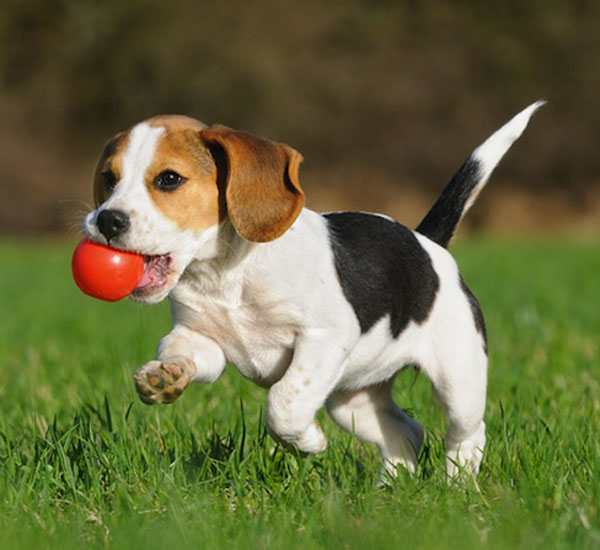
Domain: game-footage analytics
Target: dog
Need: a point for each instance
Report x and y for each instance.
(321, 309)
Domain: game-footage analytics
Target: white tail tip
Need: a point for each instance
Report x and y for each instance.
(491, 151)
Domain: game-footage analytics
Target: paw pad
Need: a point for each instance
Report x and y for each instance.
(161, 382)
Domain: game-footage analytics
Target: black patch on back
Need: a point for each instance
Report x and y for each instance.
(441, 221)
(477, 313)
(382, 269)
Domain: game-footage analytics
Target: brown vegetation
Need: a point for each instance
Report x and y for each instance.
(383, 98)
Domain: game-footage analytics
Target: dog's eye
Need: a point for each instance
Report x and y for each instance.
(109, 180)
(168, 180)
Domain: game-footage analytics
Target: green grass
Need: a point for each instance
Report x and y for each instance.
(83, 463)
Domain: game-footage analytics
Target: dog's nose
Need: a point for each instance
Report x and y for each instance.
(112, 223)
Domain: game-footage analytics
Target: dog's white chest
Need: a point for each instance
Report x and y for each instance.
(257, 340)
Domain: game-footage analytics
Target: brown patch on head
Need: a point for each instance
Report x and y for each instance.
(263, 193)
(176, 122)
(110, 161)
(197, 203)
(250, 179)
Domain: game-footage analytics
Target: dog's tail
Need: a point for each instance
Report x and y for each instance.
(459, 195)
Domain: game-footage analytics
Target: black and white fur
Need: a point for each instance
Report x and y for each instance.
(330, 312)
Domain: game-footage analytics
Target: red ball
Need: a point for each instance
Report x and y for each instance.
(104, 272)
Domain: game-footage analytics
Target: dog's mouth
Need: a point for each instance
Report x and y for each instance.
(157, 271)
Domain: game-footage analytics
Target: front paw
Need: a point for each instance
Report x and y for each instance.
(163, 381)
(312, 441)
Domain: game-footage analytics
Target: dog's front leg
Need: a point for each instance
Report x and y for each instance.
(183, 356)
(295, 399)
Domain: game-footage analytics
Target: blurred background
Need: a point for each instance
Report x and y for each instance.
(384, 98)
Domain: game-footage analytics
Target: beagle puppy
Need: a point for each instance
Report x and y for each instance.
(321, 309)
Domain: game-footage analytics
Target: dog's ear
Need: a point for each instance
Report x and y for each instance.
(262, 191)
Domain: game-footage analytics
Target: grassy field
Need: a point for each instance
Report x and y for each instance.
(85, 464)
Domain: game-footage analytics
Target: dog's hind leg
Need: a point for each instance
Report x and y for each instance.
(460, 387)
(372, 415)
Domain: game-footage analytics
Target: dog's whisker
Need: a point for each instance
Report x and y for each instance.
(74, 228)
(73, 219)
(80, 202)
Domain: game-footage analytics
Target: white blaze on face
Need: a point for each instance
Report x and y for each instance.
(131, 194)
(150, 231)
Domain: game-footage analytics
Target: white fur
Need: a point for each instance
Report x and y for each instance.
(491, 151)
(278, 312)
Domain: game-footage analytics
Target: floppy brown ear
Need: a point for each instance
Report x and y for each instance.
(262, 190)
